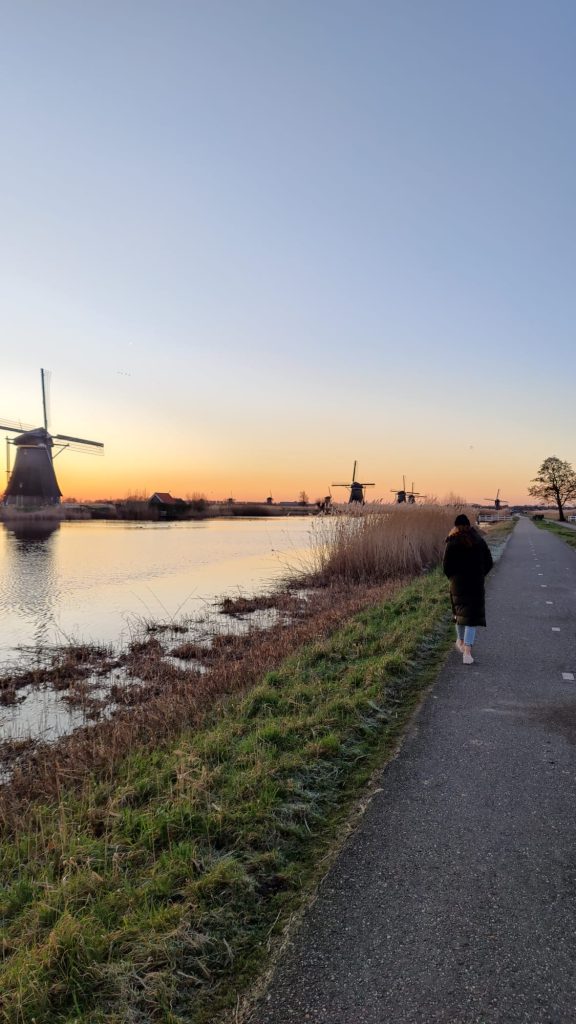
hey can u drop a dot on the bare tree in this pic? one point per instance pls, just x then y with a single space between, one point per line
555 481
454 499
302 498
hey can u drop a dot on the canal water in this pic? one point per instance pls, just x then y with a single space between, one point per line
99 581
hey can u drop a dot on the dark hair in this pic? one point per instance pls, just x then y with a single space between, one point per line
462 520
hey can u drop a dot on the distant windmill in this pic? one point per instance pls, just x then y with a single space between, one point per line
356 488
403 495
498 501
32 482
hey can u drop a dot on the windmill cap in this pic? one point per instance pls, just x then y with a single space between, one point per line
33 437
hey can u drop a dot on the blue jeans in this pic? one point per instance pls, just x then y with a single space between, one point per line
467 634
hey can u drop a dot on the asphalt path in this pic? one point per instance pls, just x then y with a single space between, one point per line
455 899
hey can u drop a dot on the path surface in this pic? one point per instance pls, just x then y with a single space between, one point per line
455 901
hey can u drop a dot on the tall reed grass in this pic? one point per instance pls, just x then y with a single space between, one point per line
382 543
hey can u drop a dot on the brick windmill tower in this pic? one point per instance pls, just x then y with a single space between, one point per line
32 484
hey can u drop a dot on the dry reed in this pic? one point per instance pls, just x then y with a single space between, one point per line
384 543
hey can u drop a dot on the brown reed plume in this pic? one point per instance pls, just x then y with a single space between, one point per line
385 542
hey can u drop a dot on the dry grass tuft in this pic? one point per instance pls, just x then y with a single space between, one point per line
238 606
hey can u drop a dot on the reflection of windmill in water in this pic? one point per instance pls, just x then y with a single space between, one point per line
356 488
498 501
403 496
32 484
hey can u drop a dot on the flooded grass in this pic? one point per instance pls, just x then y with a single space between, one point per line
239 606
59 669
166 627
96 702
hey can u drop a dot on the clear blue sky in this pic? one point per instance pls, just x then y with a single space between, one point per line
257 240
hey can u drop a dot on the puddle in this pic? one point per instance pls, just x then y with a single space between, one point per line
41 713
560 718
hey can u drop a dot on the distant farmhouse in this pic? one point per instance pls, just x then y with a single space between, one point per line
166 506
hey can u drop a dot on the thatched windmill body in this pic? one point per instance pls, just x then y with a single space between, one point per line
32 482
356 488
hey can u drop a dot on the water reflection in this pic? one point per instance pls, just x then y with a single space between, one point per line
30 583
35 530
41 713
96 581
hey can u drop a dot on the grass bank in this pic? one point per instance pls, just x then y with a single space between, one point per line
153 895
561 531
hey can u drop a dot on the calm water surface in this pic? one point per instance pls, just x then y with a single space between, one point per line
96 581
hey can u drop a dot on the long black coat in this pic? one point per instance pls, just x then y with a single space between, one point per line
467 560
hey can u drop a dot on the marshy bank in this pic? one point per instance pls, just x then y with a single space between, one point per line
150 861
90 587
54 689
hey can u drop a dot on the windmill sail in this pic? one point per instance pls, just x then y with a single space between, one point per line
77 440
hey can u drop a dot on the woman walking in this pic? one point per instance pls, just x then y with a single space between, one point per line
467 561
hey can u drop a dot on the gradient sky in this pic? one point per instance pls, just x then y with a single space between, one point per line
255 240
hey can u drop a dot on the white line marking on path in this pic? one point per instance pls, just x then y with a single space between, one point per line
569 676
544 585
549 602
555 629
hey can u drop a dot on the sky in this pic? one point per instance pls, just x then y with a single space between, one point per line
255 241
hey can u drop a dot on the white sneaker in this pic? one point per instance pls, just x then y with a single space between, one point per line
468 659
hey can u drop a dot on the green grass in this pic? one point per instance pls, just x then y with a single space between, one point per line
496 532
561 531
155 897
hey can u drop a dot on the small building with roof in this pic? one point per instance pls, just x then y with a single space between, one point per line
166 506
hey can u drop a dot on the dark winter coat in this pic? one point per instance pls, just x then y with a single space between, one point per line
467 560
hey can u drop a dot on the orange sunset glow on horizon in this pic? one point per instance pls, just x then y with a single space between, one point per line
157 438
279 268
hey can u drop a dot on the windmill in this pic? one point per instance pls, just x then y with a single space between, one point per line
356 488
32 482
498 501
403 496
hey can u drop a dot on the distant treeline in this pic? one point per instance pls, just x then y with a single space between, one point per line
142 510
